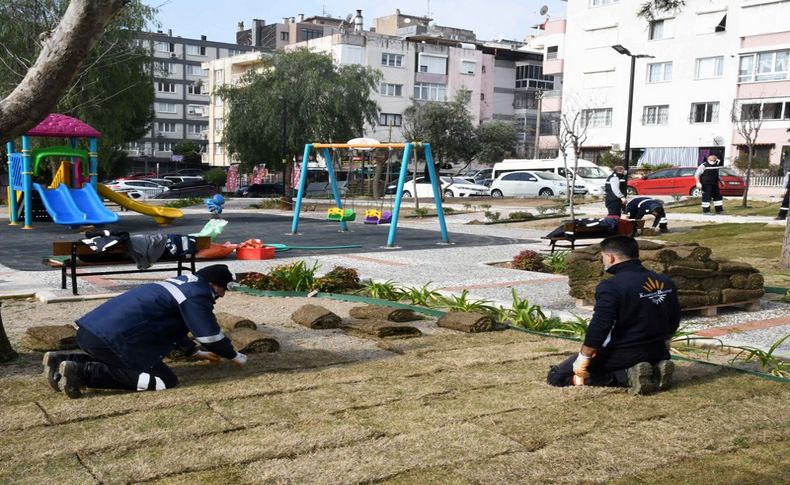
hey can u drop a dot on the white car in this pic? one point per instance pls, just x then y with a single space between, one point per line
531 184
451 187
147 188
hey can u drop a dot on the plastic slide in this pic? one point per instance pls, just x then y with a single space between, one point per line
162 215
75 207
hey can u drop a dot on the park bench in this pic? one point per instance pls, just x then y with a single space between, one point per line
575 232
66 256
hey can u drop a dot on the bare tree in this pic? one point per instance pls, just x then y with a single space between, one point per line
572 135
748 119
62 53
650 9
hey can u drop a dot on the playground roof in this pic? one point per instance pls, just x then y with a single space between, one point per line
61 125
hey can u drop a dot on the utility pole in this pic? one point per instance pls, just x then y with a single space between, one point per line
285 199
539 98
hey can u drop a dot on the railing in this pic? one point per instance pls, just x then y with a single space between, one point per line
554 93
765 181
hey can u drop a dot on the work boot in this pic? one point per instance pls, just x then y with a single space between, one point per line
72 380
664 370
663 230
640 379
51 363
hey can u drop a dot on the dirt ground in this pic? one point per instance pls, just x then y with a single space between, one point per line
442 408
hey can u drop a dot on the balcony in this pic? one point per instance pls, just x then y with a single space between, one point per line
553 66
551 104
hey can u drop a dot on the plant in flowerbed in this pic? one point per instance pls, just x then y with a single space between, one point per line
298 276
529 260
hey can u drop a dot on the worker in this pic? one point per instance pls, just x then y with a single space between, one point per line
785 198
639 207
615 191
707 177
627 341
126 338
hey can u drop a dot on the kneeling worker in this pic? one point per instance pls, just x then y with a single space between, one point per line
627 342
126 338
639 207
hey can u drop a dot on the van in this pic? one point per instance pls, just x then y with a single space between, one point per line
588 174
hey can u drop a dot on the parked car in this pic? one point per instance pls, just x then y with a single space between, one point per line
260 190
680 181
137 175
531 184
160 181
478 176
177 179
451 187
189 189
145 187
588 174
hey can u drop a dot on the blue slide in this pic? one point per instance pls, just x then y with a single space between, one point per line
75 207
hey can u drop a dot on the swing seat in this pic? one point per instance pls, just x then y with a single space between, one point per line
386 217
334 214
348 215
372 216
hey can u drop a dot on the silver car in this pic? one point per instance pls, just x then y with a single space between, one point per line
530 184
138 189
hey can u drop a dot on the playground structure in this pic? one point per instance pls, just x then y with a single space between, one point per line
338 213
74 197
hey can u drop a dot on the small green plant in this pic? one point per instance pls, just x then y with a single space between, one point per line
421 212
420 295
542 210
338 280
387 290
178 203
560 210
528 260
467 206
768 361
448 210
492 216
485 206
462 303
786 298
557 262
525 315
576 328
519 216
266 204
676 197
295 276
258 281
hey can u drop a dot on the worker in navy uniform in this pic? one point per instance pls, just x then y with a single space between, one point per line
126 338
639 207
615 191
627 342
785 198
707 176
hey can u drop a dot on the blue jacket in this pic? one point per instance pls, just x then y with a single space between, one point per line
638 207
145 324
635 308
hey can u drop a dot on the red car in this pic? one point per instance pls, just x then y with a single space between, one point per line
680 180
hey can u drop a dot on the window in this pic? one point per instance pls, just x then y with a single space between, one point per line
308 34
765 111
765 66
196 70
432 64
164 146
165 68
166 127
234 52
196 109
164 47
722 26
709 67
195 89
787 111
656 30
219 149
531 76
195 128
468 67
705 112
164 87
600 3
219 125
598 79
598 118
655 115
430 92
551 52
219 101
388 89
284 36
659 72
219 76
390 119
196 50
391 60
167 108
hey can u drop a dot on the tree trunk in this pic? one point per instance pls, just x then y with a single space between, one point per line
62 53
748 178
784 259
379 167
7 353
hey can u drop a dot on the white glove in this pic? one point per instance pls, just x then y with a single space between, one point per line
699 185
580 366
209 356
239 360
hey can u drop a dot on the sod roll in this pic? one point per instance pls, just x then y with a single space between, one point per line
228 321
734 295
469 322
315 316
380 329
585 270
665 256
582 256
698 253
51 337
692 298
718 282
688 272
685 283
646 245
249 341
378 312
739 280
731 267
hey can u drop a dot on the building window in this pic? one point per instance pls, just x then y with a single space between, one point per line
167 108
705 112
164 68
219 76
432 64
219 125
390 119
196 70
468 67
235 52
388 89
659 72
219 149
391 60
765 111
765 66
600 3
219 101
164 47
196 110
709 67
531 76
598 118
284 36
309 34
722 26
656 30
164 146
195 89
551 52
196 50
655 115
195 128
164 87
166 127
430 92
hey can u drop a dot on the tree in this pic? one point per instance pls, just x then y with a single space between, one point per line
216 176
7 352
649 10
496 141
189 150
571 135
748 120
323 101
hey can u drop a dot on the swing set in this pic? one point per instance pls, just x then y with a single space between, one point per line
372 216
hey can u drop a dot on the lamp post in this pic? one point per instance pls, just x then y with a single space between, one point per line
285 198
539 98
622 50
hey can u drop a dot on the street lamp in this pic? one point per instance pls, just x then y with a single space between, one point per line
285 199
622 50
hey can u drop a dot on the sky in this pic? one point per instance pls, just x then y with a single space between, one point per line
217 19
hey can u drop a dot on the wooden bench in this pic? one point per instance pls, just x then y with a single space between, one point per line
574 232
114 256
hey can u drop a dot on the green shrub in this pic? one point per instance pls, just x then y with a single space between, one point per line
216 176
338 280
178 203
295 276
419 295
421 212
492 216
383 291
657 167
557 262
270 203
485 206
463 304
611 159
529 260
520 216
448 210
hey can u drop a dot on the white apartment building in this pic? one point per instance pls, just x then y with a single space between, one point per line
709 55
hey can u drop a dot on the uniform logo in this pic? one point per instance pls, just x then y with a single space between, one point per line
655 291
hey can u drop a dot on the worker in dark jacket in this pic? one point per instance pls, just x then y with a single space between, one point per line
639 207
615 191
627 342
785 198
126 338
707 176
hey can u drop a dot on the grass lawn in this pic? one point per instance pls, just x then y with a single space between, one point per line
755 243
457 408
732 206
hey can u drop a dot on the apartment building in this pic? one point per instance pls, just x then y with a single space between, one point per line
706 58
291 30
181 84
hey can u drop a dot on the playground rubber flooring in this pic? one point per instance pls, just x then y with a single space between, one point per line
24 249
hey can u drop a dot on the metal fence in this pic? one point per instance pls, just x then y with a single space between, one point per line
765 181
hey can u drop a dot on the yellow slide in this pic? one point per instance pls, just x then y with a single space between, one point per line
162 215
